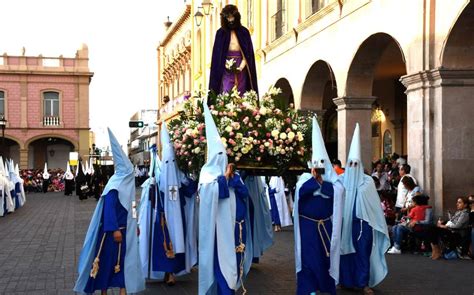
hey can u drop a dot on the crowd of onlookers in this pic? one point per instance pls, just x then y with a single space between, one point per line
410 217
33 180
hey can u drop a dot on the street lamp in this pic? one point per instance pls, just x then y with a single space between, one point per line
198 17
206 6
3 124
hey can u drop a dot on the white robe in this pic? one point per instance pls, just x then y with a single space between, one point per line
282 204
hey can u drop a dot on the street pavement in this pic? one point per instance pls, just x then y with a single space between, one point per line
41 242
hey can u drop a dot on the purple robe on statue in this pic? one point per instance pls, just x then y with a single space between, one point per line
220 78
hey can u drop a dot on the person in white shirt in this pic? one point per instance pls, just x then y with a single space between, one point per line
382 177
402 191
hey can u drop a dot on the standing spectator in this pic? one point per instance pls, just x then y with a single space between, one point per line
402 192
336 164
382 177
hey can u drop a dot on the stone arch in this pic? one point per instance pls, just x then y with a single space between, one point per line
53 149
363 67
13 138
458 47
10 148
64 137
315 86
286 95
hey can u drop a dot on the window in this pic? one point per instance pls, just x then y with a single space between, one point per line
313 6
51 104
279 20
2 103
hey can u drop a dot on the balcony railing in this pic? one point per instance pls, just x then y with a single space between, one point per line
51 121
278 24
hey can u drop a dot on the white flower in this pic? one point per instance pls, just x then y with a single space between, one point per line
283 136
228 129
275 133
229 63
294 127
267 144
263 111
197 150
291 136
245 150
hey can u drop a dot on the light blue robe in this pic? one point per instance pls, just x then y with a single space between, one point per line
262 229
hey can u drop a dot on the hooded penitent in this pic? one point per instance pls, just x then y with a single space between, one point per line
22 188
361 193
46 175
320 159
169 185
68 174
147 216
216 215
9 189
124 183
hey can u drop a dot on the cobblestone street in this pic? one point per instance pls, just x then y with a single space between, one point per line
40 244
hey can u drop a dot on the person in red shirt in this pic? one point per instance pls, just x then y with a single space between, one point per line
336 164
416 215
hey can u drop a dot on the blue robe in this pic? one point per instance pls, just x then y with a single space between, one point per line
274 207
241 216
160 262
114 217
17 195
355 267
315 244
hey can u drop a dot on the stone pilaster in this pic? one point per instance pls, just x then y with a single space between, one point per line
352 110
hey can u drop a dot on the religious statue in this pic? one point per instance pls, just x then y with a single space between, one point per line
233 60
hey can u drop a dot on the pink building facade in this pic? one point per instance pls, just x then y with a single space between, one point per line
46 104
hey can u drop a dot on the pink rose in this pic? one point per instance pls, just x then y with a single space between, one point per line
268 135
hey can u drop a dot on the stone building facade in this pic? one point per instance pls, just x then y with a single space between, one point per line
45 101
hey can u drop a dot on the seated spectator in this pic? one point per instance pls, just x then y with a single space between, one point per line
471 223
450 231
416 216
412 190
388 207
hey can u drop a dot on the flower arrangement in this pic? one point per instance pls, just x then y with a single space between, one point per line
255 132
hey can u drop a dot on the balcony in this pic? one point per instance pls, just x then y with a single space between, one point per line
51 121
278 24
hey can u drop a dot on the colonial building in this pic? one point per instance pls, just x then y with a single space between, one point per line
403 69
174 65
45 101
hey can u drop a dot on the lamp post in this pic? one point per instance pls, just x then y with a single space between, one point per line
3 125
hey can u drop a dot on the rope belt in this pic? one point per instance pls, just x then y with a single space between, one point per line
95 264
241 249
168 249
321 224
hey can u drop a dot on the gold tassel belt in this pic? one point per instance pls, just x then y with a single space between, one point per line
168 249
241 249
95 264
321 224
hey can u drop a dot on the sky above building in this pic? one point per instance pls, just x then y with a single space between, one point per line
122 37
